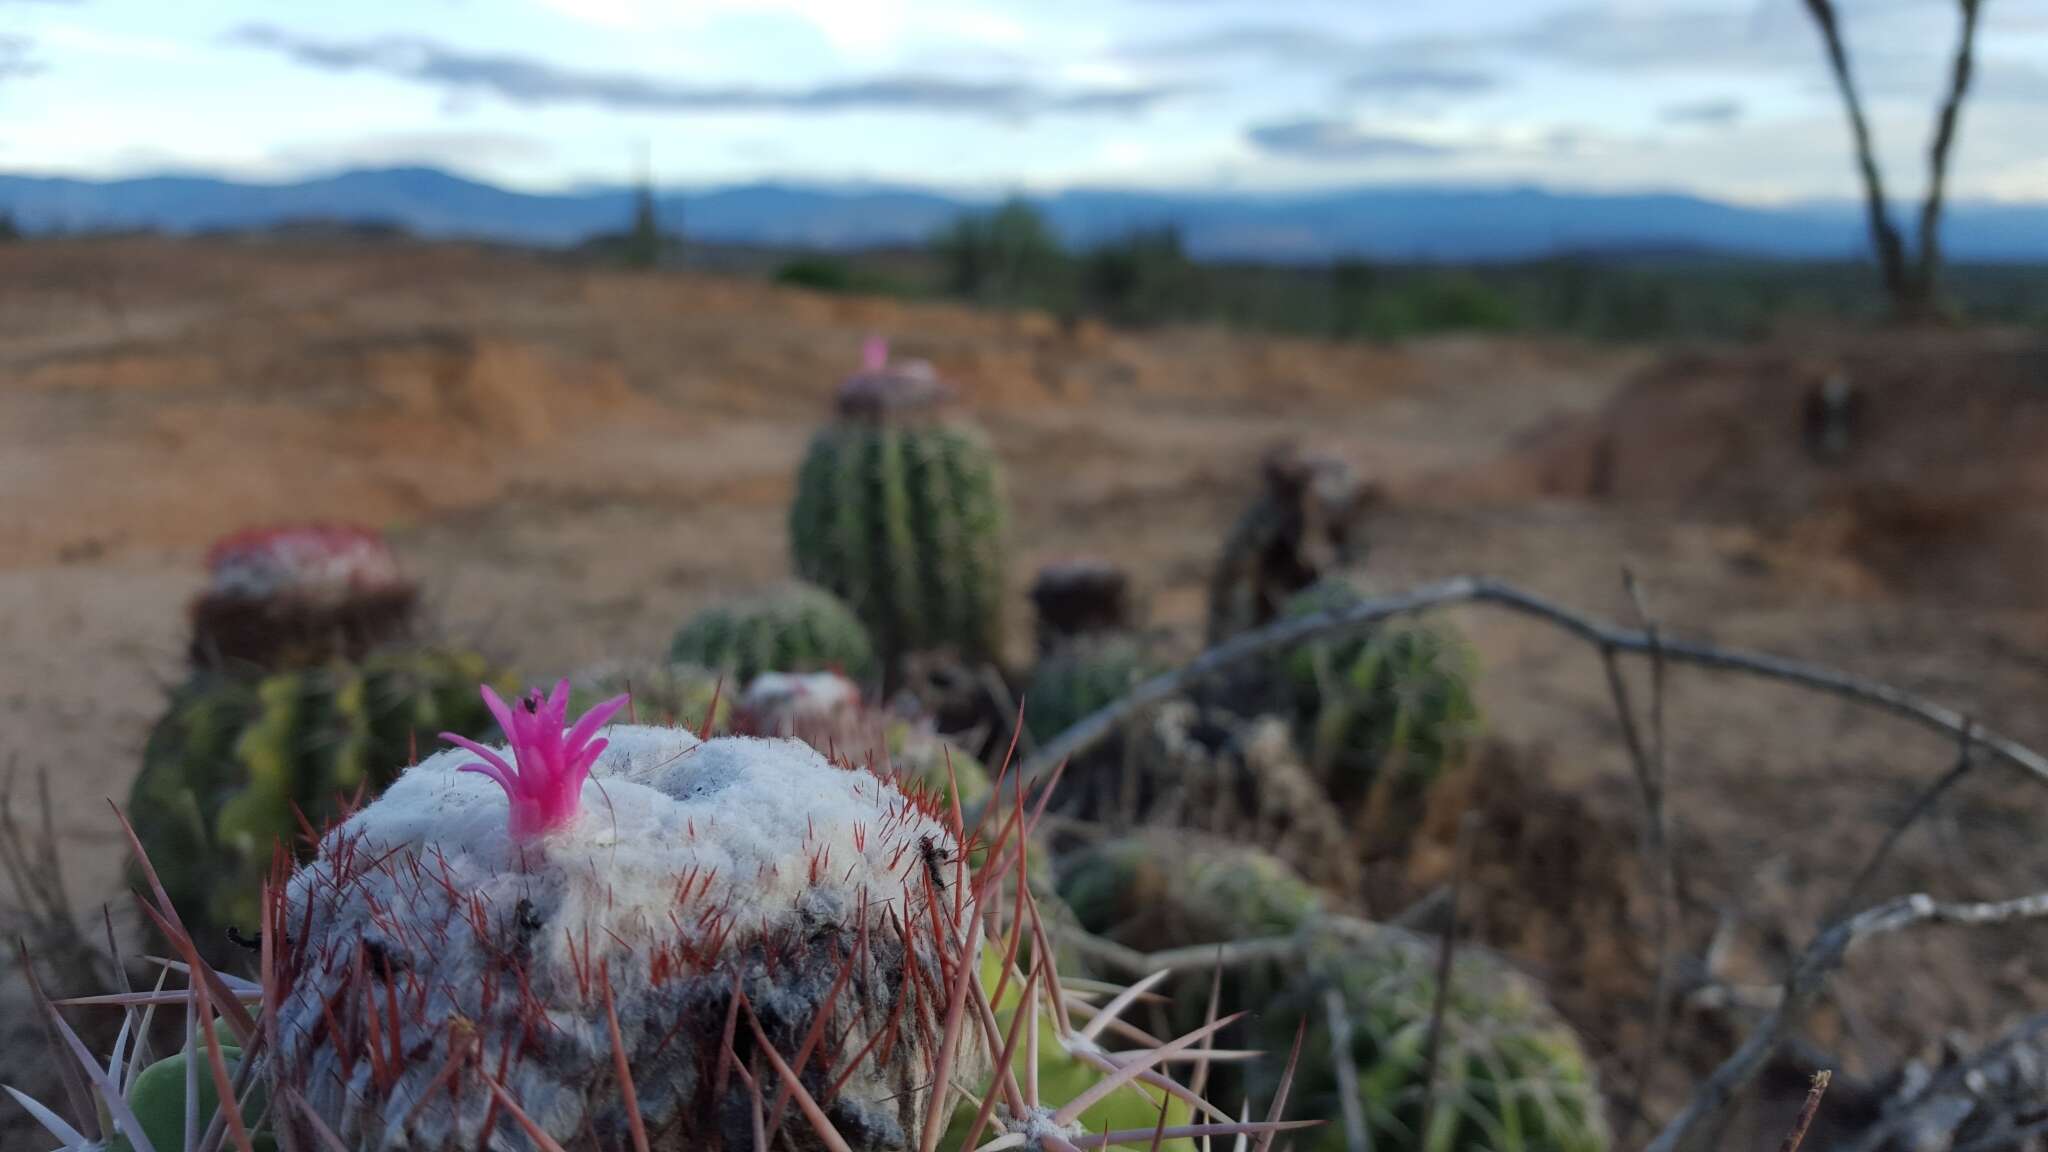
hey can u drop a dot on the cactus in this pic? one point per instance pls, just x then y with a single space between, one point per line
1382 715
296 596
157 1098
795 629
898 512
234 762
1078 677
1510 1074
592 935
671 695
827 712
1301 528
733 891
1204 770
1160 890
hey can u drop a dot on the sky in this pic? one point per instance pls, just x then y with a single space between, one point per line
1723 98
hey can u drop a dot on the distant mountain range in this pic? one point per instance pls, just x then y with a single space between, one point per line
1407 222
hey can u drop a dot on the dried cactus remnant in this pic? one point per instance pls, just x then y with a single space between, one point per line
1303 526
517 924
295 595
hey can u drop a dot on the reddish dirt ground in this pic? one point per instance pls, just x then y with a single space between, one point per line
572 460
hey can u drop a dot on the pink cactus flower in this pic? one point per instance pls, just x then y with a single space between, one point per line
544 781
874 355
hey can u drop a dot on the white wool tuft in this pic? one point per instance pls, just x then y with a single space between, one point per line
740 816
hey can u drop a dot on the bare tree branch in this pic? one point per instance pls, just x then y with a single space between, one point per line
1098 726
1803 985
1921 806
1891 251
1938 153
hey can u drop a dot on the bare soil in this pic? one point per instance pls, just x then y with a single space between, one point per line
572 460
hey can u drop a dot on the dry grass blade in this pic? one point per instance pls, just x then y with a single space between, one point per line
1357 1136
1797 1135
1279 1107
75 1092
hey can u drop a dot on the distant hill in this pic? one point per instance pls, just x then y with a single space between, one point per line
1406 222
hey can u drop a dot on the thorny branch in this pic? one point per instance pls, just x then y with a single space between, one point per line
1803 985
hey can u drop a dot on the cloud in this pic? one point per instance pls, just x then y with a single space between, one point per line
1705 113
1277 43
405 148
1339 140
530 81
1422 79
17 57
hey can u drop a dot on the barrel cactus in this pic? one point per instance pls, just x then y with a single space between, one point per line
1160 890
297 595
898 511
236 764
794 629
1080 676
568 907
1383 715
1511 1075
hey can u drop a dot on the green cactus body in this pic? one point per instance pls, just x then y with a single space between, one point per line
1080 676
1511 1075
1382 715
898 511
1162 890
795 629
681 694
157 1097
234 762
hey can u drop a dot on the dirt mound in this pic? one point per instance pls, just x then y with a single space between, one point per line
1916 455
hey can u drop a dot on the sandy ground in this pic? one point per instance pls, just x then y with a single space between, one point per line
573 460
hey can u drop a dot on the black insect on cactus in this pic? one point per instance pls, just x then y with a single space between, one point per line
798 628
1303 526
899 512
297 595
237 763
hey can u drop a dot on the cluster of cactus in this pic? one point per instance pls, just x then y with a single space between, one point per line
1382 715
899 513
798 628
1510 1073
298 595
597 935
238 765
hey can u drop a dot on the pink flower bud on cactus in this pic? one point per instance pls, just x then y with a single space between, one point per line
544 781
